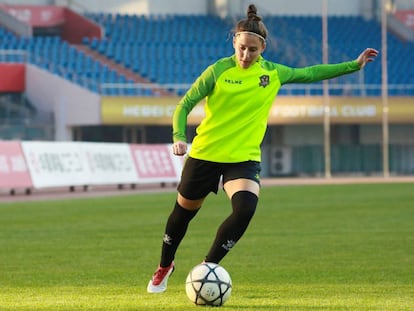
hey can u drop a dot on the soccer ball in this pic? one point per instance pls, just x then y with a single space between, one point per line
208 284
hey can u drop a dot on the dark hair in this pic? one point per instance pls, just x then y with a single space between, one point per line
253 23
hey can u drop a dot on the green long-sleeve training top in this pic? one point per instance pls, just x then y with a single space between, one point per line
238 102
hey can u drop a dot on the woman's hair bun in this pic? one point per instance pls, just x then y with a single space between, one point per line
252 13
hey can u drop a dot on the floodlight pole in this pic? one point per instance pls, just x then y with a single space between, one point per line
384 90
326 105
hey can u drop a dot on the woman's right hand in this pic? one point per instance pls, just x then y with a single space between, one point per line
179 148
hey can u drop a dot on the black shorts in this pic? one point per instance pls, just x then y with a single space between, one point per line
200 177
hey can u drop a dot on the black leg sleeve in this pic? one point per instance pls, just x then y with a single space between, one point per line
231 230
175 230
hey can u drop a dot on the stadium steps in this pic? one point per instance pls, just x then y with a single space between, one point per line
121 69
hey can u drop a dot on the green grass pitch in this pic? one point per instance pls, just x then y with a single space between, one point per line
331 247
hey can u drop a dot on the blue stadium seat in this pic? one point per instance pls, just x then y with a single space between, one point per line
144 45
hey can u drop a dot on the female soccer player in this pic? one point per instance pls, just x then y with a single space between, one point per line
239 92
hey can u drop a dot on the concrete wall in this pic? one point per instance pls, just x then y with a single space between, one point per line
70 104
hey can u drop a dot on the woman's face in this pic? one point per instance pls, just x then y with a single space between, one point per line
248 48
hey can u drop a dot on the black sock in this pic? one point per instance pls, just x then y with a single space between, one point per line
231 230
175 230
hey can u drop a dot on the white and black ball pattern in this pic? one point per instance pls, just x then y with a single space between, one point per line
208 284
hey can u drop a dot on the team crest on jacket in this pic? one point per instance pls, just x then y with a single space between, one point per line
264 81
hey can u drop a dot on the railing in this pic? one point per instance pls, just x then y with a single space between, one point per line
13 56
150 89
312 89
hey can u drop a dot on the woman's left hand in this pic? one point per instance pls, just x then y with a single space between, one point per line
367 56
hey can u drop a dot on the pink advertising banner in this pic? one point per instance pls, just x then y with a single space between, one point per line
155 163
14 172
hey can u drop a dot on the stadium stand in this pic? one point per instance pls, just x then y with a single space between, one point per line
173 56
154 55
298 43
171 51
165 50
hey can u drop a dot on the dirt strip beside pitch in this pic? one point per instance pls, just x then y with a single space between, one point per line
114 190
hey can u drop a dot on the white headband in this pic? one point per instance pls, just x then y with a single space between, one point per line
251 33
